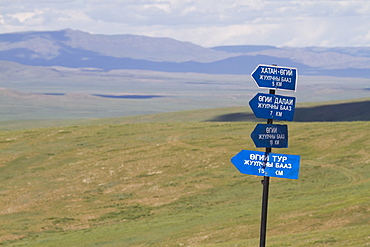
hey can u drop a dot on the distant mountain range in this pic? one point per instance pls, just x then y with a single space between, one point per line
76 49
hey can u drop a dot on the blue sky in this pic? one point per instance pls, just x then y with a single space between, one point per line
203 22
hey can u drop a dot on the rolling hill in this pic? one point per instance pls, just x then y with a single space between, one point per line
76 49
70 74
171 183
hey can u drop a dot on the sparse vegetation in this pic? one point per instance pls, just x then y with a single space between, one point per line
172 184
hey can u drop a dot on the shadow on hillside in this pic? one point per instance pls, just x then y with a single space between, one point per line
357 111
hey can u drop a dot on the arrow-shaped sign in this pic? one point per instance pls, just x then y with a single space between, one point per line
270 136
267 164
275 77
271 106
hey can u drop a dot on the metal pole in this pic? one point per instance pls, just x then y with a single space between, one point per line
266 184
265 195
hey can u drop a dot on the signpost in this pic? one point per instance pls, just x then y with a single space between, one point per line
270 136
267 164
275 77
271 106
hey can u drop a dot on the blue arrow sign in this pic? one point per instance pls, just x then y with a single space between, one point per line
275 77
271 106
267 164
270 136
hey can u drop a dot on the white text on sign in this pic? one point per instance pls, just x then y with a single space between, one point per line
263 161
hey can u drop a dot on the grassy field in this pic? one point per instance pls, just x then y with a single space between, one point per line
146 182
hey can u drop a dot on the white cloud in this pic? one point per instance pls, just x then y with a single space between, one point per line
206 22
22 17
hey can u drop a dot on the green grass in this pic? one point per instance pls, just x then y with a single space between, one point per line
116 183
